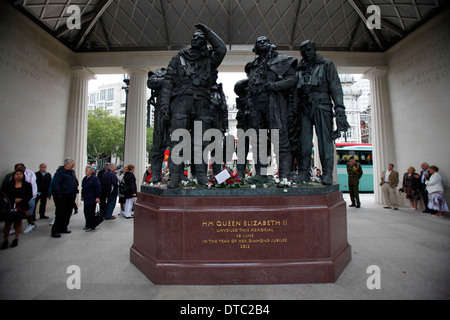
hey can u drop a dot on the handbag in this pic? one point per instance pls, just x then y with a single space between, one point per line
123 187
10 214
5 207
98 216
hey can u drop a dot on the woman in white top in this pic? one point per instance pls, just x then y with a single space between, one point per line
435 188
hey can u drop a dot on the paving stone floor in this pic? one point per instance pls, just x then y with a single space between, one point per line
412 250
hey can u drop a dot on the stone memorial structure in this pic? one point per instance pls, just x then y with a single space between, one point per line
276 232
240 236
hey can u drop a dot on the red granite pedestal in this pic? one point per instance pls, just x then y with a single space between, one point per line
219 237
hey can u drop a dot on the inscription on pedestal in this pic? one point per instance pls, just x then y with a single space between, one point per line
245 234
241 239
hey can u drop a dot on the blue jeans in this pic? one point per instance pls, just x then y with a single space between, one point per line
31 205
111 200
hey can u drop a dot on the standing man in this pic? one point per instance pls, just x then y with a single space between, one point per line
389 181
103 193
43 179
424 176
148 175
319 92
110 185
355 172
64 190
186 94
272 77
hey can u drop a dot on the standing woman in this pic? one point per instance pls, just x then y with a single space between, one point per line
130 191
435 188
19 193
90 194
121 196
411 185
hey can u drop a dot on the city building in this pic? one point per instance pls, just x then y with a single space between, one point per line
108 92
356 99
110 97
366 127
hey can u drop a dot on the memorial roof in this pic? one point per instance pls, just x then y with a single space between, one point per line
149 25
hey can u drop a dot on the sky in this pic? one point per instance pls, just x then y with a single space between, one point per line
228 79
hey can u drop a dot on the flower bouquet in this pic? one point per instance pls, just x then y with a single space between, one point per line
234 181
189 184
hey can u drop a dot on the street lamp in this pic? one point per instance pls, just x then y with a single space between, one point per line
126 80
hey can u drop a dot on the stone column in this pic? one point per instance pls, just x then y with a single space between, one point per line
76 132
136 128
382 128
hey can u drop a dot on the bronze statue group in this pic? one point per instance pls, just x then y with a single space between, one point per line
280 93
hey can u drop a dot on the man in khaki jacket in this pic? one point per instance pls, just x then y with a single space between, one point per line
389 181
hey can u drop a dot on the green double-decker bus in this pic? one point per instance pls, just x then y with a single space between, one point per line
363 155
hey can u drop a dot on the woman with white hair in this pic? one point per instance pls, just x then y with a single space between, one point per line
90 195
436 197
411 186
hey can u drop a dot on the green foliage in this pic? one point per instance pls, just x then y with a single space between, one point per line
149 140
105 135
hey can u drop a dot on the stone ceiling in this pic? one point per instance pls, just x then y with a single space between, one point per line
150 25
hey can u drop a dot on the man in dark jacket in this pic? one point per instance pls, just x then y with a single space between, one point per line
43 179
110 185
319 89
272 75
64 190
103 192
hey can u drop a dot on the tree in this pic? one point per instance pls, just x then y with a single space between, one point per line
105 135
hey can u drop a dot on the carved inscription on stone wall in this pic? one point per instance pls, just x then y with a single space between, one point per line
427 65
28 62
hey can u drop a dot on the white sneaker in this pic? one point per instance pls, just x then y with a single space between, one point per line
29 228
